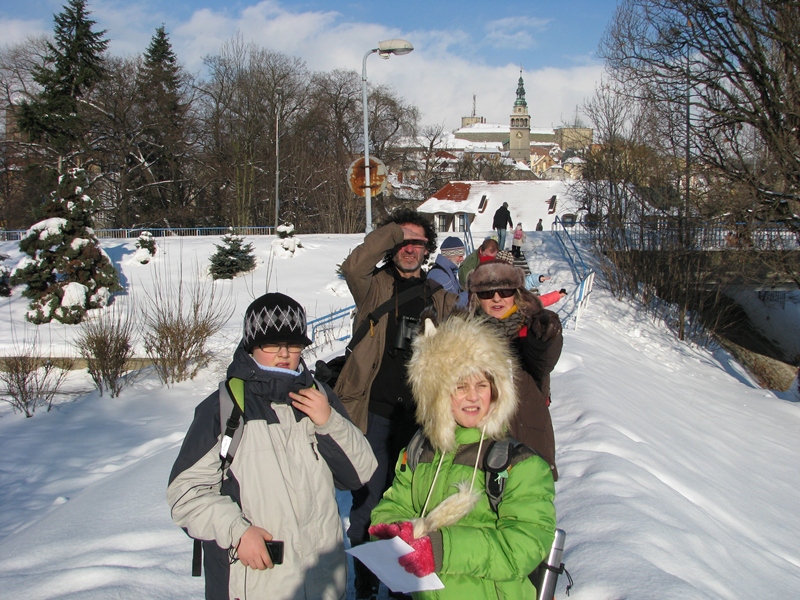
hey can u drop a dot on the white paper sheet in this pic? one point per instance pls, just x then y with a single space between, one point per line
381 558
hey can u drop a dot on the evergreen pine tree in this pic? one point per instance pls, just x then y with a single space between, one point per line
160 83
232 257
74 64
66 272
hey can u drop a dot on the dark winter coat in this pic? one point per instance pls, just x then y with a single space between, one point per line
281 479
502 217
538 345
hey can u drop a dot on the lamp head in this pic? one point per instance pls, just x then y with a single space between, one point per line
396 46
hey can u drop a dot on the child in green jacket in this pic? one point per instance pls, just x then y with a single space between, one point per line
462 377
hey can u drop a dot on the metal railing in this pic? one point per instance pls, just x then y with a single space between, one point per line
16 235
324 329
584 275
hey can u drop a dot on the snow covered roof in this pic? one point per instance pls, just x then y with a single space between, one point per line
483 128
528 201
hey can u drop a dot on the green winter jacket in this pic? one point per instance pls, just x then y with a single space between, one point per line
485 554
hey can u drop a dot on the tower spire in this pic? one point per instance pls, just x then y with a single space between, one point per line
520 101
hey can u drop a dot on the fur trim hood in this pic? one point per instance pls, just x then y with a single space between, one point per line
460 348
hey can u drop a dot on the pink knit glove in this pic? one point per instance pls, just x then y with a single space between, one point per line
385 531
420 561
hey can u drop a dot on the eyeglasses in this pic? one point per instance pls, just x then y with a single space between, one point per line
489 294
275 348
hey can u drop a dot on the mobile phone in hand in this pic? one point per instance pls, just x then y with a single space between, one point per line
275 549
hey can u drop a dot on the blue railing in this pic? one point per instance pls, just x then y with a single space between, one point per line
16 235
584 275
325 324
573 253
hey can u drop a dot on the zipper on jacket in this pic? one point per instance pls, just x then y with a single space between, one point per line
314 451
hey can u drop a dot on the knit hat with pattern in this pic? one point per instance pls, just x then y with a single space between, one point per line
452 246
274 318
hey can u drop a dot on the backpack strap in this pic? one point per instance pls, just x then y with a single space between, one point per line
231 411
414 450
499 459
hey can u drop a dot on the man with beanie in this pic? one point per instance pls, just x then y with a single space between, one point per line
445 268
373 384
501 220
278 486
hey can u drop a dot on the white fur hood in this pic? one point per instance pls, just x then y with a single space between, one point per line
460 348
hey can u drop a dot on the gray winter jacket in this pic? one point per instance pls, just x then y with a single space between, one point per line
282 478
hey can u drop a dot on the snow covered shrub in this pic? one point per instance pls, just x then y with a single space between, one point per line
145 248
106 342
29 380
285 231
65 270
232 257
5 281
179 320
287 240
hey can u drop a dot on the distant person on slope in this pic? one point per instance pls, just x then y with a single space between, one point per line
539 226
518 239
502 219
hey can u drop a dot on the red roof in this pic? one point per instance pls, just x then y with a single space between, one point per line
457 192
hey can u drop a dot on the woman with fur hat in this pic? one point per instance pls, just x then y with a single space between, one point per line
462 377
497 294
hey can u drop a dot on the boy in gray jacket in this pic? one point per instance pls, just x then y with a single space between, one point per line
297 445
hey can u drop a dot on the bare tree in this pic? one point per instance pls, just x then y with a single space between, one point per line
728 69
248 87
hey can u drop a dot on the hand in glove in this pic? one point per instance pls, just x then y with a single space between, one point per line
385 531
419 562
543 327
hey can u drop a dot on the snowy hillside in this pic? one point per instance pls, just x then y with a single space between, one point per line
678 474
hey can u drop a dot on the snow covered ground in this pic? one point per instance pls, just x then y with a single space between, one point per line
679 476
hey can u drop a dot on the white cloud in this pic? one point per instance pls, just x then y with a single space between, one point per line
440 76
15 31
514 32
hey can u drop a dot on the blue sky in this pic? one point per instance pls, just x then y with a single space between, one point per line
466 48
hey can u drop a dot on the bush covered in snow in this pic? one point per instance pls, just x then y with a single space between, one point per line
287 240
145 247
232 257
65 270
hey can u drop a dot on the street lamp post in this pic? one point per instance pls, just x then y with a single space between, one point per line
385 49
278 94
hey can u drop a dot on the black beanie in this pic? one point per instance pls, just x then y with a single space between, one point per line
272 319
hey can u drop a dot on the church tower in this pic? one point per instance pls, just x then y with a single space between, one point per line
519 144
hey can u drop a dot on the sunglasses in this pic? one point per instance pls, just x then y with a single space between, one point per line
489 294
418 243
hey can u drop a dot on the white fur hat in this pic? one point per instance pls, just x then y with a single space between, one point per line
460 348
